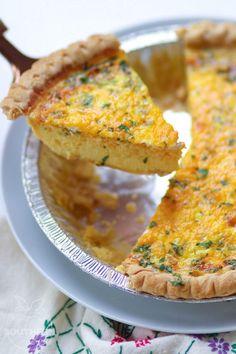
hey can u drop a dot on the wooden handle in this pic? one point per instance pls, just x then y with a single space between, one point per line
19 62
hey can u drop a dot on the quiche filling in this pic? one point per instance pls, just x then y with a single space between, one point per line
193 231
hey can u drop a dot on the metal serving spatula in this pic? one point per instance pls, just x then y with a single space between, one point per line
19 62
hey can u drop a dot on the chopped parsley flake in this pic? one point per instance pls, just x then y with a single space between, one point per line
179 184
178 281
224 183
231 262
195 189
106 105
142 248
177 249
163 267
104 159
124 127
145 263
226 204
87 99
231 142
123 65
145 160
152 224
84 79
57 114
202 172
133 123
205 244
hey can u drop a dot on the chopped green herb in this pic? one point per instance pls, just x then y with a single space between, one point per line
104 159
87 99
218 120
204 158
106 105
226 204
163 267
195 262
133 123
177 249
202 172
142 248
224 183
84 79
215 190
145 160
231 262
205 244
145 263
196 189
57 114
123 65
124 127
176 183
161 260
152 224
178 280
231 141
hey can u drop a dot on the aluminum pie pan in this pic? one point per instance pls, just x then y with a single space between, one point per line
61 238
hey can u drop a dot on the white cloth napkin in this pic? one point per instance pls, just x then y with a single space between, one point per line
36 318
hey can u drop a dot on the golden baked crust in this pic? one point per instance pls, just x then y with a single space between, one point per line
203 287
209 34
22 94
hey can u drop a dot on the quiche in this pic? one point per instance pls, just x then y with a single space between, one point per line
87 102
189 248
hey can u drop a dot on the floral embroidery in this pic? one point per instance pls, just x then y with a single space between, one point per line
142 342
219 345
139 338
117 339
36 343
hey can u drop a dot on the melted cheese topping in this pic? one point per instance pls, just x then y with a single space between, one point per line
107 100
194 229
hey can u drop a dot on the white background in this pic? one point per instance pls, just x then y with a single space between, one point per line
38 27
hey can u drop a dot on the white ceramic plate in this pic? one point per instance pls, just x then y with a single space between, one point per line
109 301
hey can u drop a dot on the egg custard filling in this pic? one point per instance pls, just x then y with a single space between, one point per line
98 110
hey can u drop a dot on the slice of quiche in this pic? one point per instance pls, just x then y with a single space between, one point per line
87 102
189 247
